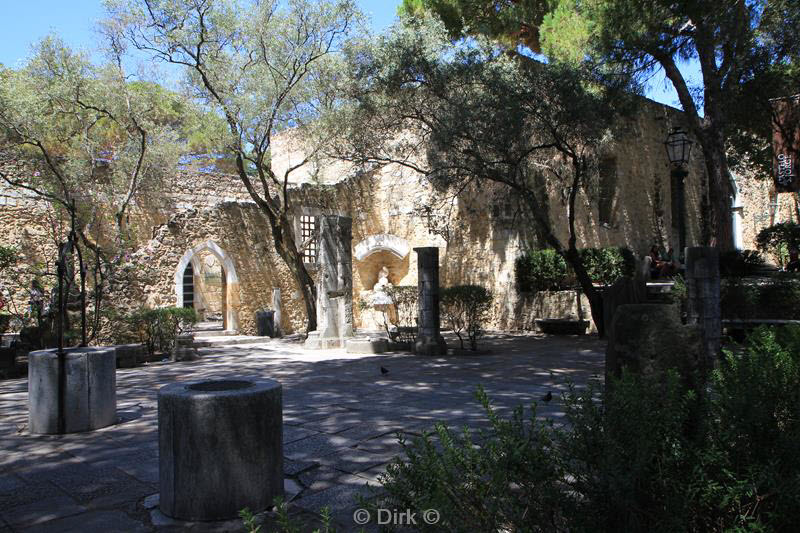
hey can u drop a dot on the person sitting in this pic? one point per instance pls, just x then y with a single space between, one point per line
669 266
794 260
655 262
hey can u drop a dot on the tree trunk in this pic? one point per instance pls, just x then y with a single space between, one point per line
594 296
570 255
284 245
719 189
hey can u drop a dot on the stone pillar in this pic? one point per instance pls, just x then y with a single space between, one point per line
334 284
429 339
90 399
702 284
220 447
276 305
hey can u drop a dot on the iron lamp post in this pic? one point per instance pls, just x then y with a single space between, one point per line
679 147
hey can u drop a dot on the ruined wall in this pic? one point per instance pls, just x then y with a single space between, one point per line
480 234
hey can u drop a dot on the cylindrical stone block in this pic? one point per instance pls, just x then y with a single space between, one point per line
90 393
220 447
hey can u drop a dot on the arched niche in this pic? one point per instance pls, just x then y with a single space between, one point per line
231 286
393 244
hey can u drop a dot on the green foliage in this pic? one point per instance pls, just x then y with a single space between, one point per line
8 257
249 521
767 299
509 482
465 308
513 23
540 270
607 265
158 328
265 71
750 464
546 270
403 318
740 263
646 454
779 238
289 525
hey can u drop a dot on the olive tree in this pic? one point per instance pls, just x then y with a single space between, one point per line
472 113
267 68
85 139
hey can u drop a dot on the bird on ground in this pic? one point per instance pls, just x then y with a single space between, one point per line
547 397
384 371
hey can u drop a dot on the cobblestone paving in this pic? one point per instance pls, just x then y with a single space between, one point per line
341 417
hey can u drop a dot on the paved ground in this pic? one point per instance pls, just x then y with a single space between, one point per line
340 420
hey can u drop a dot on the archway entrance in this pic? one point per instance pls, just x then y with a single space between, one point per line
206 280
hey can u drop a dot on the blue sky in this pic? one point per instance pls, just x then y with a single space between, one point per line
24 22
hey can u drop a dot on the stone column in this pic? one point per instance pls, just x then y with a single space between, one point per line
702 284
334 284
276 305
429 338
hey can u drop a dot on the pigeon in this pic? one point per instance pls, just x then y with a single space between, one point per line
384 371
547 397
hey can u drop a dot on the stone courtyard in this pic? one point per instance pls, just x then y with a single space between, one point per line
341 416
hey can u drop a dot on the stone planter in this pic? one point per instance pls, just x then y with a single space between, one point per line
130 355
90 394
220 447
562 326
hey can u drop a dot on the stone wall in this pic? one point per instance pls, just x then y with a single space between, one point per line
480 234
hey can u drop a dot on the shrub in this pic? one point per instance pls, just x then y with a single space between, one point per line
740 263
607 265
636 457
404 319
466 308
9 256
158 328
541 270
778 239
774 299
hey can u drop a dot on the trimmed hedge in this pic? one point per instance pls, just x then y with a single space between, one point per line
158 328
546 270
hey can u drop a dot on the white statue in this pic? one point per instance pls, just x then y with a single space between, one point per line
379 296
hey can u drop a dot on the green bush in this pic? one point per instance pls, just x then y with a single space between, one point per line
774 299
740 263
158 328
404 318
541 270
646 454
546 270
607 265
465 308
778 239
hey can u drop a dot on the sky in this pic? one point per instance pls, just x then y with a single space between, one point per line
23 22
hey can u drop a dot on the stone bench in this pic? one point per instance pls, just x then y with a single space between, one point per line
130 355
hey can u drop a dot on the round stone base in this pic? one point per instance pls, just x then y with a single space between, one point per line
90 394
220 447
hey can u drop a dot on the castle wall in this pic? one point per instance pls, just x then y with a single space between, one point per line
480 233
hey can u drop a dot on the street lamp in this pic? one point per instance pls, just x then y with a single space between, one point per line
679 146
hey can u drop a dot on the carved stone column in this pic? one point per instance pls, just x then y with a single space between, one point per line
429 339
334 284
